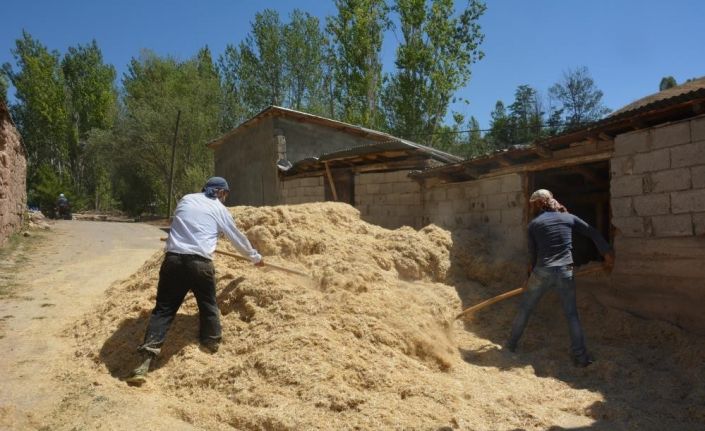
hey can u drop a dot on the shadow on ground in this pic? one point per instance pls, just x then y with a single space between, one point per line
119 352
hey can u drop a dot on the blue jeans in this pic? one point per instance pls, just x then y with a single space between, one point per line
559 278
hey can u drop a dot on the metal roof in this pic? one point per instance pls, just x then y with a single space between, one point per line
376 153
373 135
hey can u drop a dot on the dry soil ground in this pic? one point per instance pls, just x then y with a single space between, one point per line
60 276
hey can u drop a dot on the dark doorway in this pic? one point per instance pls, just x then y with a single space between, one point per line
585 191
344 182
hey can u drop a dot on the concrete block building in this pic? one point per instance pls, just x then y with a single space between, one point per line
638 176
283 156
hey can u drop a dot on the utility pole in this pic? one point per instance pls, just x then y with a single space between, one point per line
173 159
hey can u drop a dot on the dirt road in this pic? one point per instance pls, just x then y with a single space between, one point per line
62 278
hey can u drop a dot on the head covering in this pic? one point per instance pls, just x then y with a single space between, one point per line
213 185
546 202
61 195
540 195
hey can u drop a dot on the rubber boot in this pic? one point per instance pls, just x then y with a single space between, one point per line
139 374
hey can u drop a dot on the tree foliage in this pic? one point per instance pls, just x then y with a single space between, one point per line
156 89
356 34
41 110
3 88
277 64
91 102
579 97
667 82
433 62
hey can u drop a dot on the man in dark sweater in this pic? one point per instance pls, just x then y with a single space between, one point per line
551 267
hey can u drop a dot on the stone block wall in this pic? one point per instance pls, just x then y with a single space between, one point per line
658 181
13 174
658 207
302 190
496 206
389 199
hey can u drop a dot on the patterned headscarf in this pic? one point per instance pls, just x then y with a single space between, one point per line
546 201
213 185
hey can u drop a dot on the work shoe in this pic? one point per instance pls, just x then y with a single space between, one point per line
139 374
583 360
210 346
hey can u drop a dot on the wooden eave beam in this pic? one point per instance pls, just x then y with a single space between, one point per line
543 151
550 164
471 171
698 108
503 161
590 175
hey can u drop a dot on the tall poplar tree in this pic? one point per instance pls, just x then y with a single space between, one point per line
356 33
40 110
304 55
433 62
91 104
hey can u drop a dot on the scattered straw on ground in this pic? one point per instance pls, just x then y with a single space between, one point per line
368 342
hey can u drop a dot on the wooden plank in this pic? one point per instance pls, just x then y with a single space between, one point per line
391 166
331 182
543 151
503 161
549 164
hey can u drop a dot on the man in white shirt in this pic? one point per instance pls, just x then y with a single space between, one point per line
188 265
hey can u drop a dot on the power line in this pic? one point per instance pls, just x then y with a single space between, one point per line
543 126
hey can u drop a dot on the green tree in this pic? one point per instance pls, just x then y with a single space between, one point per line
304 55
579 98
232 105
500 134
3 87
356 33
477 144
433 62
262 61
40 110
526 115
156 88
667 82
279 63
91 104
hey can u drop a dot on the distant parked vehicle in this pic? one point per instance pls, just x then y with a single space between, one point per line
63 208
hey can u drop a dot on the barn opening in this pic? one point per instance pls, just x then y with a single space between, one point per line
339 185
585 191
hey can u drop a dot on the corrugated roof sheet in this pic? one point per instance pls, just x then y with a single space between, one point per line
670 95
311 163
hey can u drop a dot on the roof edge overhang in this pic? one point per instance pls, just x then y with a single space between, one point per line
599 135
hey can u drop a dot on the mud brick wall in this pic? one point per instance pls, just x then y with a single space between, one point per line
13 173
302 190
494 206
658 208
389 199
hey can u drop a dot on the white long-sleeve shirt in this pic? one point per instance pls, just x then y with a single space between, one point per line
197 222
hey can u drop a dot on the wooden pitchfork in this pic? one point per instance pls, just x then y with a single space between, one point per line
271 265
589 269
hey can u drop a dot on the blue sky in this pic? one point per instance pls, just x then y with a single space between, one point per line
628 45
